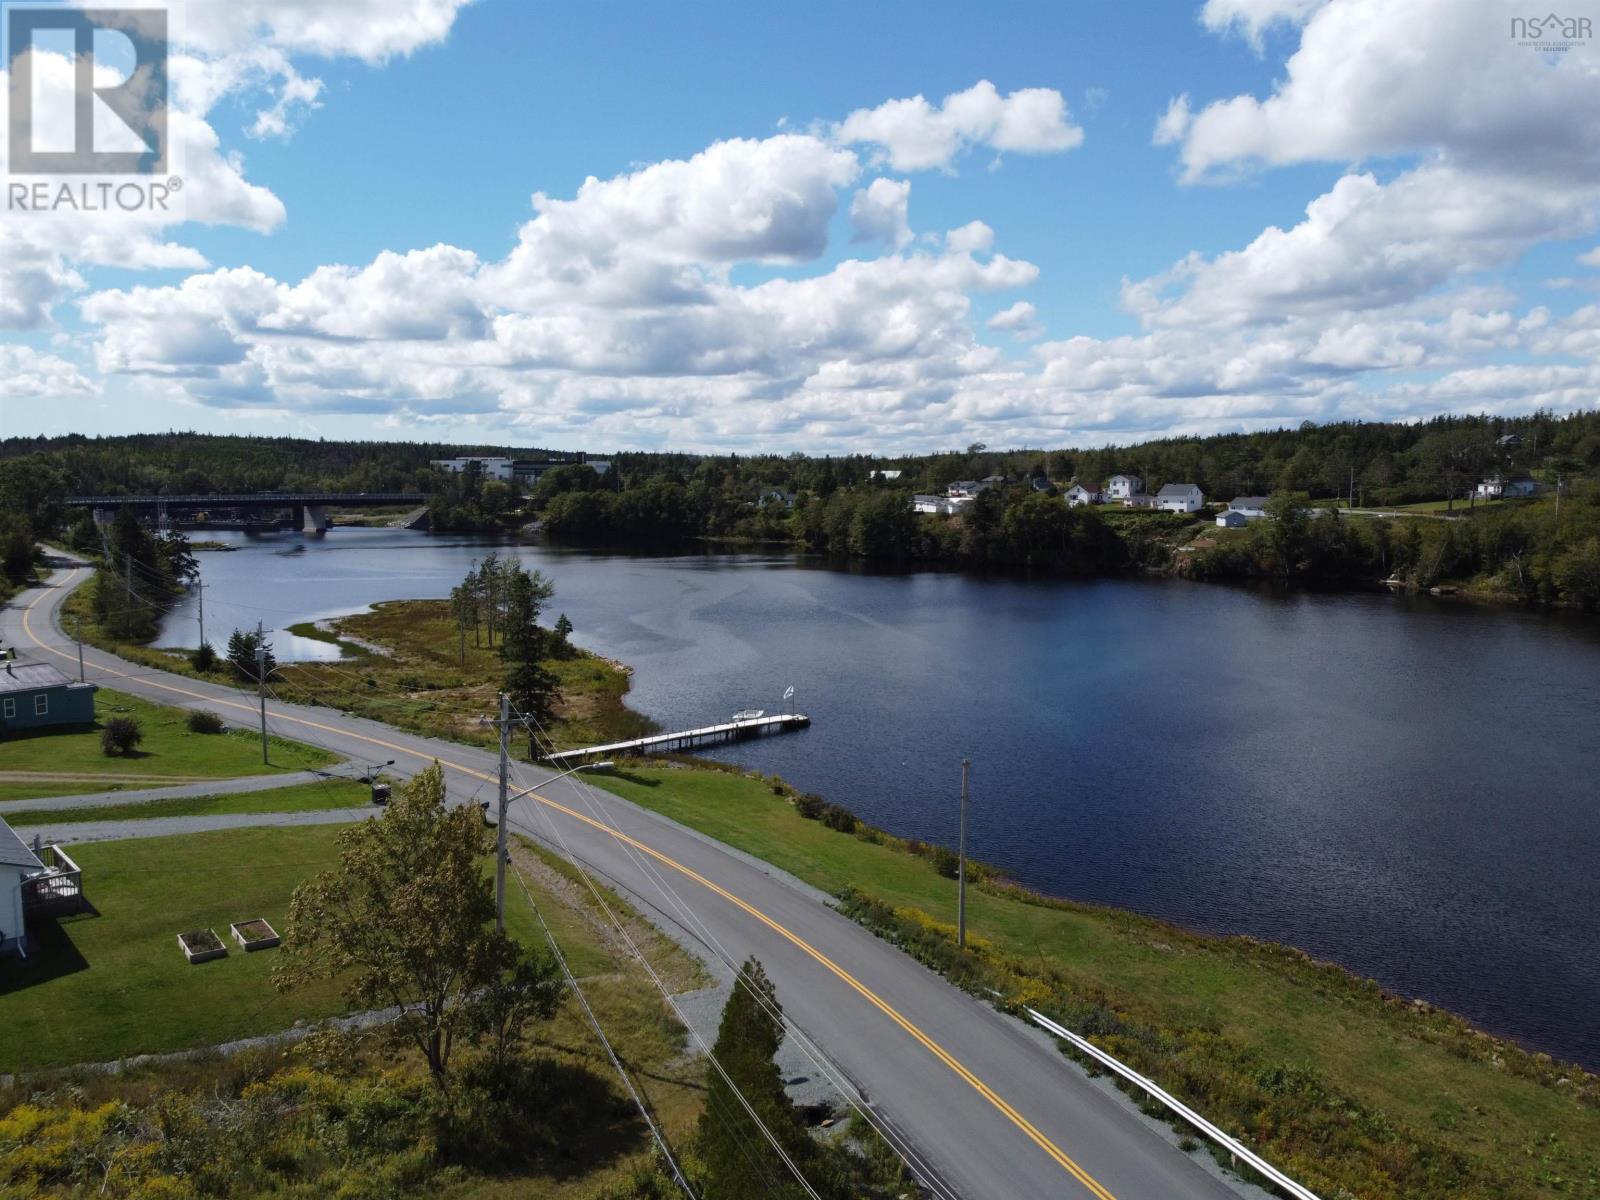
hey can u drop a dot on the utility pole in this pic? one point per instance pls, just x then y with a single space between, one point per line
461 623
77 634
127 578
261 693
961 865
200 589
500 832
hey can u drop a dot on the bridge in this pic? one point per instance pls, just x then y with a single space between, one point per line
308 509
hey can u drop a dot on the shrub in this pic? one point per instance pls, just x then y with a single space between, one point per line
836 816
204 659
809 805
120 736
946 862
202 720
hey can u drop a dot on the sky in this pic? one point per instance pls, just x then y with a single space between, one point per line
882 228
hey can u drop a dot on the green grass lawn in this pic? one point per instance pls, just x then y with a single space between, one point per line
113 983
300 797
1275 1005
169 752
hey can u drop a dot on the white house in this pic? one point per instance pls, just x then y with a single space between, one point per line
1120 487
1232 519
17 863
1180 497
966 488
1086 493
943 506
1251 508
1498 488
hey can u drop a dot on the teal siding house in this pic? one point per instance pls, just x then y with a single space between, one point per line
37 696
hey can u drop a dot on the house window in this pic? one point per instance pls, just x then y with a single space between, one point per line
41 704
10 708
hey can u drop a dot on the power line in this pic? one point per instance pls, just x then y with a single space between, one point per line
605 1042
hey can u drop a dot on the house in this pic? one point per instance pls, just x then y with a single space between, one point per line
775 498
17 865
1121 487
1499 488
887 475
1232 519
943 506
1252 508
1508 441
37 696
1086 493
1137 500
1180 497
967 488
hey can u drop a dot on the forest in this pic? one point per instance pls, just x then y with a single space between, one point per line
859 505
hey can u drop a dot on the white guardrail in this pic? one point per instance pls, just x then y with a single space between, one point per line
1228 1143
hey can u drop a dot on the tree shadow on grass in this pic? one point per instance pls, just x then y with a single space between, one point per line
51 954
554 1119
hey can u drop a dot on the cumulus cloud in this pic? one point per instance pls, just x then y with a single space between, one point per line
1252 18
1021 320
1384 77
1590 258
914 135
28 374
878 212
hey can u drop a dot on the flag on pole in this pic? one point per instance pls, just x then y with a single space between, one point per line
789 695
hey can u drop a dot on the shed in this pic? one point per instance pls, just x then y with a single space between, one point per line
37 696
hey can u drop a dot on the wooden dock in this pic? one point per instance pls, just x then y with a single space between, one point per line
728 731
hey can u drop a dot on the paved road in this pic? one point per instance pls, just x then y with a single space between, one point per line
989 1105
77 832
134 794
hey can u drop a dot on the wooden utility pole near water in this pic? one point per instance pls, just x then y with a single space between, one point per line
961 865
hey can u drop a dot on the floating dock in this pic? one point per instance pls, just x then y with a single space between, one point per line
728 731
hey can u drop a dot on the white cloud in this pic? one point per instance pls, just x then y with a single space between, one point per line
914 135
1590 258
28 374
1389 77
972 238
878 212
1252 18
1021 320
1367 245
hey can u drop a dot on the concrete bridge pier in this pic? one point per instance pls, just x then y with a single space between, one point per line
313 518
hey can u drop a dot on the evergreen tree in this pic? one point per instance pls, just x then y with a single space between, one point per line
523 647
739 1161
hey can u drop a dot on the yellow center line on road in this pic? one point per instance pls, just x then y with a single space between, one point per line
1027 1127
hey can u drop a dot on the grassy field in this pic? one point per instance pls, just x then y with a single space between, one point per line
1469 1108
114 984
169 753
405 666
301 797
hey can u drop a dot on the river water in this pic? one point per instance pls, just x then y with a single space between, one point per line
1410 788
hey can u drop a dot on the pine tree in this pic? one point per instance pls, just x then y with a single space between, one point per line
739 1161
523 647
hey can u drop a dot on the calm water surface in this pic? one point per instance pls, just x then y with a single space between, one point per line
1409 788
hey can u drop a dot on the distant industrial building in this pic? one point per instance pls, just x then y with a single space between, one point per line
525 471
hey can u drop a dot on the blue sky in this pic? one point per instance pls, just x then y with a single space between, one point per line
1142 179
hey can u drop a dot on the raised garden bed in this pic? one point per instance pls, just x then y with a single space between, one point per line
201 945
255 935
